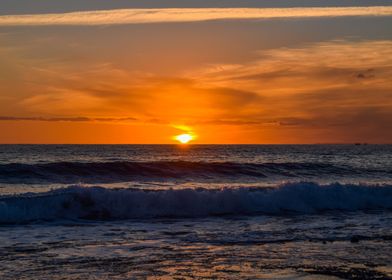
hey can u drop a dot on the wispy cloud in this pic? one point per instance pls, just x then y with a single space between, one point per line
135 16
67 119
334 90
338 86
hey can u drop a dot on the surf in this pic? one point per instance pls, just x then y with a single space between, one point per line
98 203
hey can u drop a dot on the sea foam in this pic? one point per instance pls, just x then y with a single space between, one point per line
97 203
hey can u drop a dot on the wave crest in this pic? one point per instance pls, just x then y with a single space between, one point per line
111 172
97 203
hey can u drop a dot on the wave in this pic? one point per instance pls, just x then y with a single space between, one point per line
97 203
112 172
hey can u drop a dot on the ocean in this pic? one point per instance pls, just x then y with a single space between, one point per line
196 211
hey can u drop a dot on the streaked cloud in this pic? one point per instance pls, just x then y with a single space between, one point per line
322 66
331 91
137 16
67 119
341 88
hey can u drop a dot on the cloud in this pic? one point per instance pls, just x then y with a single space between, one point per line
339 90
260 122
137 16
314 67
68 119
333 90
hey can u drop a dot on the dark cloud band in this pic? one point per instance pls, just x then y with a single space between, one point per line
67 119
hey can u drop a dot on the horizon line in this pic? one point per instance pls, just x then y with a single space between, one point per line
200 144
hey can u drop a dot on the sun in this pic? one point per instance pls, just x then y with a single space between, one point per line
184 138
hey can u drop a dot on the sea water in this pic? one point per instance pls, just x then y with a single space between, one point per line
195 211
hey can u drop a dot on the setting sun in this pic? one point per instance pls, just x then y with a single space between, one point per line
257 127
184 138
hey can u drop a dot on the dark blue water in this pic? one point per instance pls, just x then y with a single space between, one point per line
223 211
76 181
269 164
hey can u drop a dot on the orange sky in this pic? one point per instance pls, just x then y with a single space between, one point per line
227 82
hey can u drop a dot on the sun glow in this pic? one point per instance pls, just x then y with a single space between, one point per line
184 138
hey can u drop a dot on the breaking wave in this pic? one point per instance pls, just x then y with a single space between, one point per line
111 172
97 203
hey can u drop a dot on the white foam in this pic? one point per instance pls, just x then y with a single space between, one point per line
98 203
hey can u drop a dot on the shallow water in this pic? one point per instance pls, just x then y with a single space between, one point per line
333 244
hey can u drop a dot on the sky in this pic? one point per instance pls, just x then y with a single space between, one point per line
225 71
